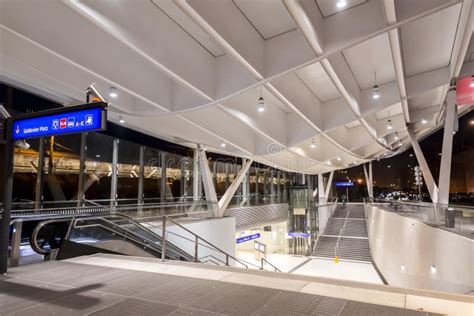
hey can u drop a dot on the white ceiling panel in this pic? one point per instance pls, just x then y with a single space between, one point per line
428 42
269 17
427 99
370 58
330 7
318 81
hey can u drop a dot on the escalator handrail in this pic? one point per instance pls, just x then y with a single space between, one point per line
34 235
138 237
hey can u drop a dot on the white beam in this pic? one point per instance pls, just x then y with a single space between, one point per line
425 169
229 193
447 151
208 185
329 185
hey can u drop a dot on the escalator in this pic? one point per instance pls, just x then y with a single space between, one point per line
109 233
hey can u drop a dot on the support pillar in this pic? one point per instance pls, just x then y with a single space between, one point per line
447 151
321 191
113 183
368 179
229 193
329 186
39 186
196 177
163 180
429 180
208 185
141 174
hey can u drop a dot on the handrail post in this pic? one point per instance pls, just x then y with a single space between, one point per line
16 240
261 263
227 260
163 241
196 246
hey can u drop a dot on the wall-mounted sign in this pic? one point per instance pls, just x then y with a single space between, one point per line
299 234
67 120
299 211
465 91
247 238
345 184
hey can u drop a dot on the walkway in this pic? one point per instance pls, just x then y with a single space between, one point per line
118 285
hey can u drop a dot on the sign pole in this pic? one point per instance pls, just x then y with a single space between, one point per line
7 197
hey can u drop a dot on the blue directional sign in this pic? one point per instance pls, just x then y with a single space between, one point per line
299 234
248 238
65 121
344 184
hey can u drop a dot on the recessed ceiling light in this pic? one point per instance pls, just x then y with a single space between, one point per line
341 4
389 124
472 82
121 120
396 136
312 145
424 121
338 158
223 144
113 92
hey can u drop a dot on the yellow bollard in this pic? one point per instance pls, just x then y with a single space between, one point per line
336 259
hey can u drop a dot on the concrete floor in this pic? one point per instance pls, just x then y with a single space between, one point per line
68 288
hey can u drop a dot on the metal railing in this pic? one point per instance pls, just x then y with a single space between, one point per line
454 218
227 256
263 261
339 238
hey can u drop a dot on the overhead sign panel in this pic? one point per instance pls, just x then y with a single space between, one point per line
247 238
344 184
77 119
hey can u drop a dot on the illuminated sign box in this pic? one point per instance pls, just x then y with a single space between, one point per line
299 234
67 120
344 184
248 238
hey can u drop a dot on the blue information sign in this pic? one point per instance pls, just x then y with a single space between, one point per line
247 238
65 122
299 234
344 184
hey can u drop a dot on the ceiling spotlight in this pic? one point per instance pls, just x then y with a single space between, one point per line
113 92
396 136
341 4
261 105
338 158
121 120
472 82
222 144
424 121
375 92
313 144
389 124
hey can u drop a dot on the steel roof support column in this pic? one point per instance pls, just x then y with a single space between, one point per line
328 186
163 182
447 151
141 174
113 182
321 191
196 177
425 169
229 193
368 180
208 184
40 175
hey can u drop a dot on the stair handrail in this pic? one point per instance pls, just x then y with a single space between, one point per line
196 243
341 232
262 260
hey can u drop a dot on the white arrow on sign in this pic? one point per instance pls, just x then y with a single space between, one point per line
17 129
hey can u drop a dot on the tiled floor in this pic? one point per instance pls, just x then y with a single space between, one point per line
65 288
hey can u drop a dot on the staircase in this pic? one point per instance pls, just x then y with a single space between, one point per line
345 235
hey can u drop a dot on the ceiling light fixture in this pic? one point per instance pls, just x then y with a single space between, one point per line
424 121
341 4
396 136
261 102
472 82
113 92
223 144
375 88
121 120
389 124
312 145
338 158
